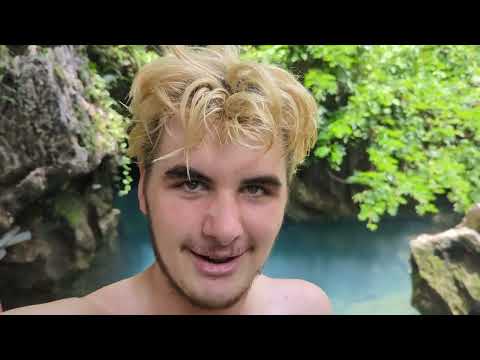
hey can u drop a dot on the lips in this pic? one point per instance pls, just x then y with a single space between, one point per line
215 265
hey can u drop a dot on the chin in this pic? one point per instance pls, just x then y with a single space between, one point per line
218 300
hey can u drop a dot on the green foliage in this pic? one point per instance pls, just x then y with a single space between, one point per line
112 69
414 110
117 65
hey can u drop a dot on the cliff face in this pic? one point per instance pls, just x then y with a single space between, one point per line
316 193
58 156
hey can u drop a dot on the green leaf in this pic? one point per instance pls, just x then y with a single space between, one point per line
414 111
337 154
322 151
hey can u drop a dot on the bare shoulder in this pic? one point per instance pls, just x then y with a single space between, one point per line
305 297
70 306
115 298
297 297
110 299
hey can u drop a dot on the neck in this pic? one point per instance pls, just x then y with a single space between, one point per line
164 299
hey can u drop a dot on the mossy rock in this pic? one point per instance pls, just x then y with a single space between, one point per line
71 207
446 272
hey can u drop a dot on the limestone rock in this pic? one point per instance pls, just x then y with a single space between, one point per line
446 270
472 218
54 147
315 196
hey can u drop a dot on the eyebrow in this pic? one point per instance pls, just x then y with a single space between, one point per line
180 172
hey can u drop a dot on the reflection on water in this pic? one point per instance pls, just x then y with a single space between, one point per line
363 272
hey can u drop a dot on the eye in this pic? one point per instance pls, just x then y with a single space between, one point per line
192 185
255 190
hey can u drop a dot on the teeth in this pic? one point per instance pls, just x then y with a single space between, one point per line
216 260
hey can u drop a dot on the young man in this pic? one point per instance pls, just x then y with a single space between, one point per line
217 140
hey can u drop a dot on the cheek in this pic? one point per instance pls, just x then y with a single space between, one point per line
173 215
263 223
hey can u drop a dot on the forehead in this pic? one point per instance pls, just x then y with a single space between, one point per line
222 160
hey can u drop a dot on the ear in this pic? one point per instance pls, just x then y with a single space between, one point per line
142 191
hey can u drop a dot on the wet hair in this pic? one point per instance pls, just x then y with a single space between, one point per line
211 90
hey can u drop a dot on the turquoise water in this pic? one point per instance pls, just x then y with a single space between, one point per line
362 272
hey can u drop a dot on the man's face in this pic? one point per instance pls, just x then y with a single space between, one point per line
213 234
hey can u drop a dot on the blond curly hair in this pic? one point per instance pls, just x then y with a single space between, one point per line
211 90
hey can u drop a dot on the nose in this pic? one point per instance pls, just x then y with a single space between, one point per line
223 219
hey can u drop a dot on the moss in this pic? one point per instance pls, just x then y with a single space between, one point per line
470 279
71 207
4 58
58 71
4 64
437 274
444 276
83 260
436 264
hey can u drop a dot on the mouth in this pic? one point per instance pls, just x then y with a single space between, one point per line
215 260
215 266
